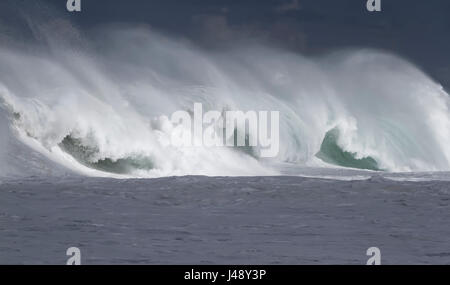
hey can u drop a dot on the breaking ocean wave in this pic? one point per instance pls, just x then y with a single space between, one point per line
104 109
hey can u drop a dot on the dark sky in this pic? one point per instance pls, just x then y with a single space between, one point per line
418 30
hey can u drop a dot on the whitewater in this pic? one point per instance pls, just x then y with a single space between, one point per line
102 108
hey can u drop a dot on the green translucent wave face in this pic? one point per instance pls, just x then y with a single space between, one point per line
331 152
82 154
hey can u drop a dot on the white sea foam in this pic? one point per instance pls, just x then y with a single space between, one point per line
103 111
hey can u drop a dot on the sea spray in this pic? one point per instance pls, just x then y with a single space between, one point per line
116 97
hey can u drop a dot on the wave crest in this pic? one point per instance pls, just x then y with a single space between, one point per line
97 105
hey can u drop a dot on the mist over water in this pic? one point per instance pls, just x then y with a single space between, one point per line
102 107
